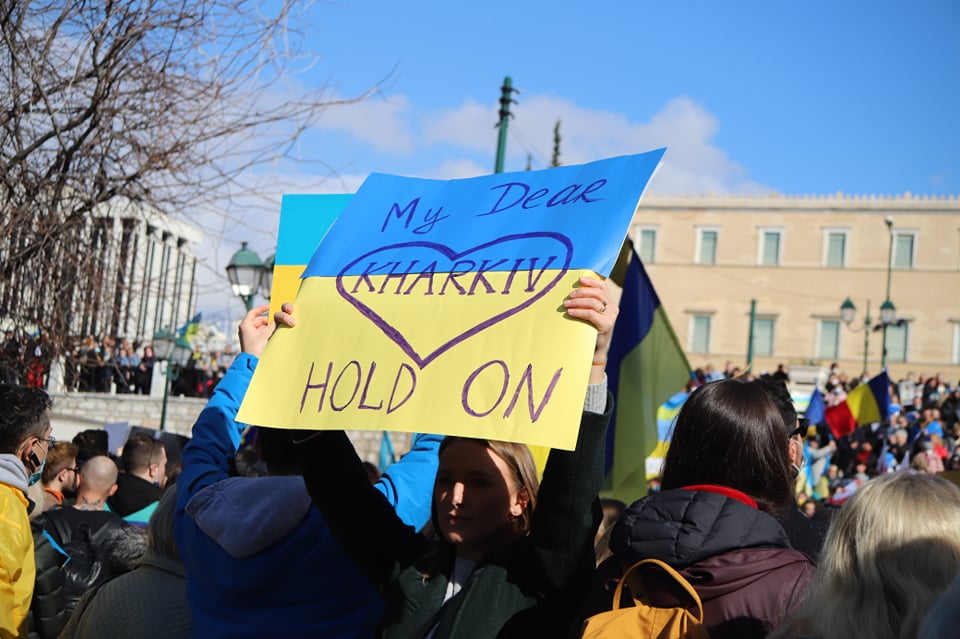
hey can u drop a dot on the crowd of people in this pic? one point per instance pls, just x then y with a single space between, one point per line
259 532
107 365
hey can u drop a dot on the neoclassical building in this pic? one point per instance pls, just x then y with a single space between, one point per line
138 276
152 273
795 260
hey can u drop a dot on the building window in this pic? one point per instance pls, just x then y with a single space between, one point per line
763 333
700 334
956 343
707 246
897 342
770 247
835 249
828 346
904 249
647 245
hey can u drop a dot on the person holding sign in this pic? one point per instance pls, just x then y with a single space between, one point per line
259 558
503 558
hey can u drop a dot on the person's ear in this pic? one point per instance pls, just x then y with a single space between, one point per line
795 450
113 490
520 505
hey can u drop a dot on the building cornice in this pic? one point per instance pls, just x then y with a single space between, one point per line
904 203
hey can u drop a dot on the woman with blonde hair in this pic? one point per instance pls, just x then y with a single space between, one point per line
892 549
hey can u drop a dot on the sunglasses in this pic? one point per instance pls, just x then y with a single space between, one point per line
803 425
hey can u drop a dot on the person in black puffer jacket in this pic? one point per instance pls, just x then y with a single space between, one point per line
726 484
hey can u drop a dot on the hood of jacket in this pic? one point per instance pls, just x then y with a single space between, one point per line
13 472
246 515
683 527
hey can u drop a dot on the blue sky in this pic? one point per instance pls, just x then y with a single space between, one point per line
749 97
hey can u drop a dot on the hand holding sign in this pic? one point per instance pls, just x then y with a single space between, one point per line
592 302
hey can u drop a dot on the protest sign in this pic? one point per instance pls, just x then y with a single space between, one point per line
437 306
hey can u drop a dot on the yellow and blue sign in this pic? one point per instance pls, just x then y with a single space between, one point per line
437 306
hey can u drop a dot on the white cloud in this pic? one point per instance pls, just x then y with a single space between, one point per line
455 169
693 164
382 123
471 126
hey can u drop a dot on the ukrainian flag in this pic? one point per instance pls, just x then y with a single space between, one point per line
304 220
646 370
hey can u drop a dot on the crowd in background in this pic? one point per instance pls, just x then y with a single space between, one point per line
922 434
777 526
107 365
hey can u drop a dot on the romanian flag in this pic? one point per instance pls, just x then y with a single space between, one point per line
865 404
646 367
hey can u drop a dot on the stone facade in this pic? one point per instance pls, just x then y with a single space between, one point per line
799 258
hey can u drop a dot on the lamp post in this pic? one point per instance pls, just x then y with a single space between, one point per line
887 310
176 352
245 272
267 282
847 313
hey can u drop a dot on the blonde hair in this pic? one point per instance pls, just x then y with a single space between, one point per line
890 552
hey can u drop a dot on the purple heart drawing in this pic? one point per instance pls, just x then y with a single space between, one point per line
559 243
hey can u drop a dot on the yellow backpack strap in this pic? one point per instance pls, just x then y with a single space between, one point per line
677 577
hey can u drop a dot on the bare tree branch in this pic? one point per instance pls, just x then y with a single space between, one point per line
167 104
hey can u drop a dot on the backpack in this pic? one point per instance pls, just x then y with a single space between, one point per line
83 567
643 621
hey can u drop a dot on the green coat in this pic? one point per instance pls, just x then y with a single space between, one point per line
531 588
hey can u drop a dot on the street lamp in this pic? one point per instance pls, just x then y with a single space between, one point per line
176 352
847 313
245 272
888 311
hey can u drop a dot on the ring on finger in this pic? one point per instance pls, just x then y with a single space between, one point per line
603 308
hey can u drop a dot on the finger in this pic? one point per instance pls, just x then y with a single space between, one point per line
601 321
587 291
257 310
594 310
594 303
284 319
592 282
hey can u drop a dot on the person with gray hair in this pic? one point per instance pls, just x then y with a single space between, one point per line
150 602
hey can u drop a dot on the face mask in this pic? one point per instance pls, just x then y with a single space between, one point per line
35 477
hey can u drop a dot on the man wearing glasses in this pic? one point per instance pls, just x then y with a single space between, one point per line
59 480
24 442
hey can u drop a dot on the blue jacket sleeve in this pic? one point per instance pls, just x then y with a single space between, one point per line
216 433
408 484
